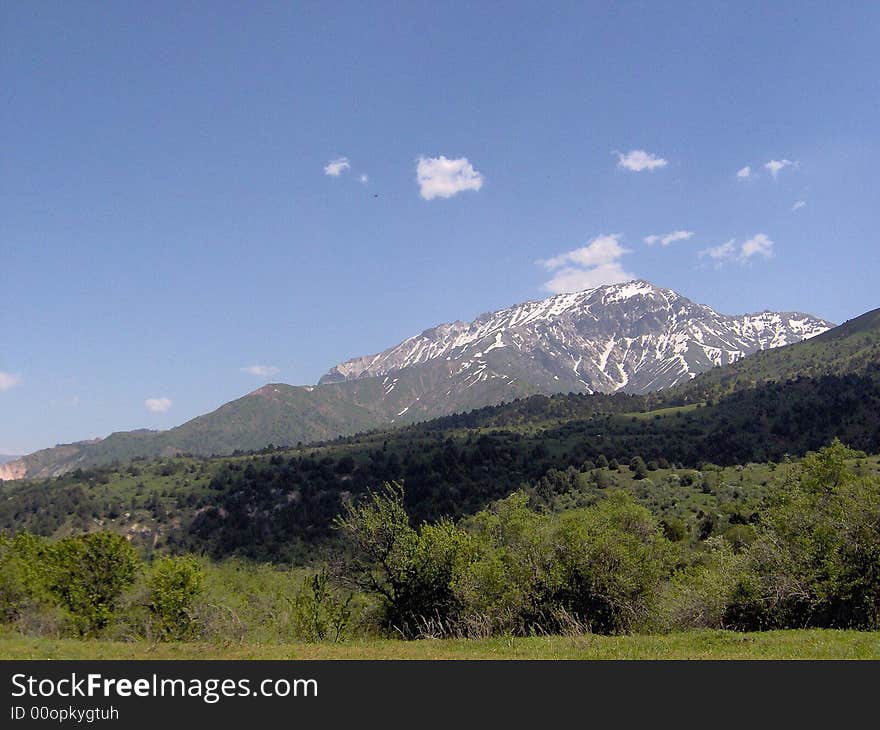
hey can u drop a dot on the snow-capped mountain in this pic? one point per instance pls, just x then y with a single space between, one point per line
633 337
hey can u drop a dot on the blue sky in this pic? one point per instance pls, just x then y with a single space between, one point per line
167 220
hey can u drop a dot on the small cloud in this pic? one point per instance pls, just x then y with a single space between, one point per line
638 160
798 205
261 371
666 239
157 405
439 177
571 280
758 245
336 167
721 253
587 267
744 173
8 381
364 178
776 166
601 250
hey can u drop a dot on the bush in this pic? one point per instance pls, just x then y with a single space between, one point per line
698 595
612 559
25 600
503 588
816 558
321 612
597 568
87 575
174 584
639 468
413 572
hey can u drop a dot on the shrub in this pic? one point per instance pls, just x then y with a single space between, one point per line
639 468
321 611
87 575
24 597
174 585
596 568
612 559
698 595
413 572
816 558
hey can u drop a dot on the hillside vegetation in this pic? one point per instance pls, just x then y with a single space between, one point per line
562 558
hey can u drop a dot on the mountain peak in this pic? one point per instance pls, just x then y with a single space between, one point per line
632 336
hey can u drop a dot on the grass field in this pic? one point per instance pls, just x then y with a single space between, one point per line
808 644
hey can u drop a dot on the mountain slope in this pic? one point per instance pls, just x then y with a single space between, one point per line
851 348
277 414
843 355
623 338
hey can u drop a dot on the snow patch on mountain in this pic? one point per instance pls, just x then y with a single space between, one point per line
632 337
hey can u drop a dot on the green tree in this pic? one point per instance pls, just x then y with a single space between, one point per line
640 469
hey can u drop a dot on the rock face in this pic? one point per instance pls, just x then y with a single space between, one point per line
631 337
16 469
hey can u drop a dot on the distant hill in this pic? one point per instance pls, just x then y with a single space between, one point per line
630 338
8 457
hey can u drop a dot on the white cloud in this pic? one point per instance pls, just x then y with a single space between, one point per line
601 250
720 253
261 371
157 405
776 166
336 167
638 160
744 173
667 238
571 280
364 178
587 267
798 205
8 380
439 177
758 245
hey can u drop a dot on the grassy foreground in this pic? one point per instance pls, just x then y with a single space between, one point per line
806 644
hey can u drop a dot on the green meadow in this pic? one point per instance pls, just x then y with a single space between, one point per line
790 644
